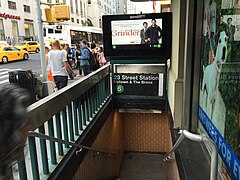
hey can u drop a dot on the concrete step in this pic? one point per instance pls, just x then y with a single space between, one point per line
142 166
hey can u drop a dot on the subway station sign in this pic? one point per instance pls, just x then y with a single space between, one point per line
138 84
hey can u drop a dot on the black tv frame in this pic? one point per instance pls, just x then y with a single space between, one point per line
138 51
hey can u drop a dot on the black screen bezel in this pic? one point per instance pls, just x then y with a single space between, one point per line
140 51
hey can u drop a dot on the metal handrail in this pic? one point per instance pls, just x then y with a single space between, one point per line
39 113
198 138
50 138
66 115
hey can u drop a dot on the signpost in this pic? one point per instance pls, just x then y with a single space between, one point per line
42 49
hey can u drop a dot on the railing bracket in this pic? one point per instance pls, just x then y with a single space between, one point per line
78 151
198 138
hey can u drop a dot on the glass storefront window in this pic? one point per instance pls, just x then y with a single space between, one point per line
29 30
2 34
219 110
14 32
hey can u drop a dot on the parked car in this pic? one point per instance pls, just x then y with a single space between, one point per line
30 46
10 53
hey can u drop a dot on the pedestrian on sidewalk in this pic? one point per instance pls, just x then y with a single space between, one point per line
78 54
102 60
84 58
63 48
50 77
69 58
95 58
59 65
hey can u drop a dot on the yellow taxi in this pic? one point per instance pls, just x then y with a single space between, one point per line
10 53
30 46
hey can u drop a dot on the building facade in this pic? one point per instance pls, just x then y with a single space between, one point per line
131 7
139 7
98 8
109 7
78 11
86 12
17 20
121 6
135 7
95 10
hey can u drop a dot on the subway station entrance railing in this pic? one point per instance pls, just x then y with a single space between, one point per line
63 115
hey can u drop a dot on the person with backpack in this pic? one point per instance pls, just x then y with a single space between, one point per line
69 55
94 58
78 54
85 58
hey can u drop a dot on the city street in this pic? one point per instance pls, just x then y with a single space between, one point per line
33 63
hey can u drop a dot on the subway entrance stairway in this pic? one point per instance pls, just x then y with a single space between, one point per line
91 138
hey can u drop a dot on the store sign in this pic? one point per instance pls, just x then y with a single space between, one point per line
138 84
226 153
5 16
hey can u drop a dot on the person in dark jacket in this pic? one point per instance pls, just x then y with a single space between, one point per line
94 60
153 33
69 58
230 31
143 33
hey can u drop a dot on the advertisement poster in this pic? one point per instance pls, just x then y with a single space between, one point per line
235 23
219 100
127 32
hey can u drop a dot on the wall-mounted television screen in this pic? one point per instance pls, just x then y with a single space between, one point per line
138 35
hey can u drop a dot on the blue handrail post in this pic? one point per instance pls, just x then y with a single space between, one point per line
33 157
70 118
43 148
84 112
75 117
80 113
22 168
65 126
59 133
51 143
87 96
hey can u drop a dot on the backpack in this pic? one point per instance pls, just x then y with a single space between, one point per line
69 54
94 63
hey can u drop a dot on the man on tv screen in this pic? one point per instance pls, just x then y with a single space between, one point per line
143 33
153 33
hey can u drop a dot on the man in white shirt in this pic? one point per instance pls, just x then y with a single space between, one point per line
59 65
